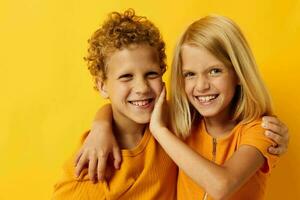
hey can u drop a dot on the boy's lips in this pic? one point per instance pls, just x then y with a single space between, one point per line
144 103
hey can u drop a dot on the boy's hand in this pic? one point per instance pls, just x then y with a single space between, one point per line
98 145
159 114
278 132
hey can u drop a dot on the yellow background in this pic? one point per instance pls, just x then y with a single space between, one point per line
47 99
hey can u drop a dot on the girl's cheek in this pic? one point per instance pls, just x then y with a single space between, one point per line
188 87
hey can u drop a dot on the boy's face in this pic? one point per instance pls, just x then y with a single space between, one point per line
134 81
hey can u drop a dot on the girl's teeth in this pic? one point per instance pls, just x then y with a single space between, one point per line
206 98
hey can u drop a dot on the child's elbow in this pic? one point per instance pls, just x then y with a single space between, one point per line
223 190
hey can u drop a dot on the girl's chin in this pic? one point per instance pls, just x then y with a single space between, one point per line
208 112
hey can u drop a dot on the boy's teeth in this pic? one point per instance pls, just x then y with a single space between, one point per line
205 99
140 103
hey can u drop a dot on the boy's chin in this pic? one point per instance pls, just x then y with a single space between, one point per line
142 119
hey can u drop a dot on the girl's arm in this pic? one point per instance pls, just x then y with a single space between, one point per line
98 145
218 181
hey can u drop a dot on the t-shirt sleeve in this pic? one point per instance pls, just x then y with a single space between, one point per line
253 135
70 187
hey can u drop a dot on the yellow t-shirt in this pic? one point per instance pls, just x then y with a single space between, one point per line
249 134
146 172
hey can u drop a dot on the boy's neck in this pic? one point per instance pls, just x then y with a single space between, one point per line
127 132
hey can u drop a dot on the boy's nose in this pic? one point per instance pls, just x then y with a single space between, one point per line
141 87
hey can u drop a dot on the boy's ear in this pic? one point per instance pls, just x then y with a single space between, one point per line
101 85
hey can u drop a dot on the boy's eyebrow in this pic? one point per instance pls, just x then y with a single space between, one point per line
123 73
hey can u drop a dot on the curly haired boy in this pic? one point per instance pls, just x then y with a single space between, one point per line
126 58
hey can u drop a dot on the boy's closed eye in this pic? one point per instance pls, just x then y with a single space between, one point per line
152 74
125 77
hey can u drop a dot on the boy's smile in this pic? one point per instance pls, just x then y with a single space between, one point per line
133 82
145 103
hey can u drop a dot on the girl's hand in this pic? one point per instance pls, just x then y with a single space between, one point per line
278 132
99 144
159 114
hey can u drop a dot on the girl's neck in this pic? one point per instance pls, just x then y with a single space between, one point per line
219 126
127 132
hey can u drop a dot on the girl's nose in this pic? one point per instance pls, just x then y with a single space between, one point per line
202 84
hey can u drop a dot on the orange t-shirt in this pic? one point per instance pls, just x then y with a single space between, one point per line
146 172
243 134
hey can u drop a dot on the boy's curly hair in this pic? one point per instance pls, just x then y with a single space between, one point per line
118 31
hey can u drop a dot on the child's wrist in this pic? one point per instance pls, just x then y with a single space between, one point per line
157 130
101 125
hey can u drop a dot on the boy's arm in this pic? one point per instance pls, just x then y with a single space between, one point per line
98 145
278 132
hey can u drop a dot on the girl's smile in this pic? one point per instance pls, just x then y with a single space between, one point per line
207 99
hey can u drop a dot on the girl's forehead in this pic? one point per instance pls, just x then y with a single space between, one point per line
193 56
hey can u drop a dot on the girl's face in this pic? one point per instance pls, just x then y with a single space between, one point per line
209 84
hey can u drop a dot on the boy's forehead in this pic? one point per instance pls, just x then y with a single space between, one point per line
136 53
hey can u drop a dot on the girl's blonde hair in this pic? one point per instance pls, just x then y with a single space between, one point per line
224 39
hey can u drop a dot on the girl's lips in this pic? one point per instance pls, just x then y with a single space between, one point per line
206 99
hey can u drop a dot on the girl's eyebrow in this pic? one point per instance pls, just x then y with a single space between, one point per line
216 66
186 70
210 66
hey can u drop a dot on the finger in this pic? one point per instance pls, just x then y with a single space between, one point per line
162 96
276 150
278 139
272 119
80 165
77 157
282 130
92 167
117 157
273 127
102 159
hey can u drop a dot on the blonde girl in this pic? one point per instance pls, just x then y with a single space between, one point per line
217 102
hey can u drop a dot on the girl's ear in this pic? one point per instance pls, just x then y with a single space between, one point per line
238 81
101 85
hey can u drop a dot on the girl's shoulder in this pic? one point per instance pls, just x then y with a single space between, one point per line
255 124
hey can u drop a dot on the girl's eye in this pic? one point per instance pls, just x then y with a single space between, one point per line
125 77
152 75
188 74
215 71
